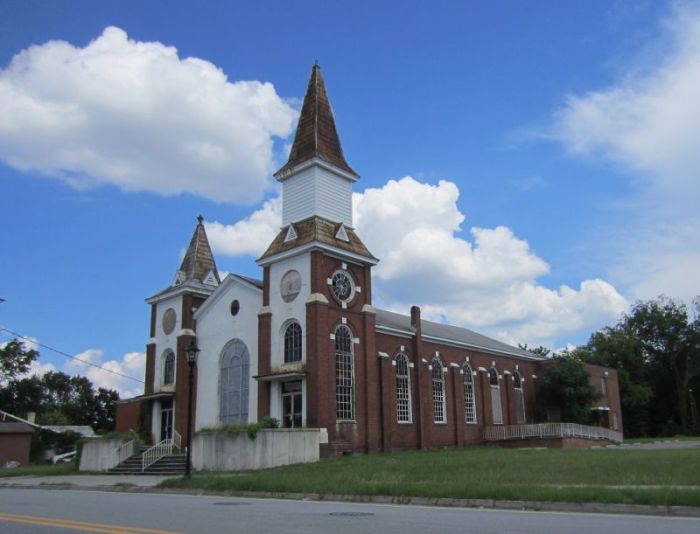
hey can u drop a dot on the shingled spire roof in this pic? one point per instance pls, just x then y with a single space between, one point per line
198 261
316 135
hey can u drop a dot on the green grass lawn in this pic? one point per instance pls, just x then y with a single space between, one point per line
652 440
39 470
667 477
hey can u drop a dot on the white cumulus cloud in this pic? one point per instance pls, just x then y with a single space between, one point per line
111 374
137 116
487 282
648 125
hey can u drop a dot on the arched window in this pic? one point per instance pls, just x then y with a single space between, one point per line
344 375
169 368
233 383
469 397
519 400
292 343
403 390
496 410
438 392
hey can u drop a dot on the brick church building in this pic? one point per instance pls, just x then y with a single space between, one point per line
306 345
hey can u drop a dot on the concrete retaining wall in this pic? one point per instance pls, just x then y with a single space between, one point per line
98 454
222 451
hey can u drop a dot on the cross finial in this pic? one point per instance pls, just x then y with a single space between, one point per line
200 219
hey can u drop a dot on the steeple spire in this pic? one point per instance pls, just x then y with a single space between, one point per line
316 135
198 262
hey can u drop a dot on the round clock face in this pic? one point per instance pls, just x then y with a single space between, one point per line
343 286
290 286
168 323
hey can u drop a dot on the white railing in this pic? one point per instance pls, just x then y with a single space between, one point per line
123 452
164 448
550 430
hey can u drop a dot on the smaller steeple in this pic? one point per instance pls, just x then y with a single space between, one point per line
198 263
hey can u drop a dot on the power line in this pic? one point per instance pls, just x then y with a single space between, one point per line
66 355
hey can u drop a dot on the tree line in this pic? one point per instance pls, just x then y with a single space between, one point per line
655 349
55 397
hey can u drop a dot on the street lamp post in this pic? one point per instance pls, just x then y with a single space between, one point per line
192 351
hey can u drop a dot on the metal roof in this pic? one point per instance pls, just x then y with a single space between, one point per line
451 334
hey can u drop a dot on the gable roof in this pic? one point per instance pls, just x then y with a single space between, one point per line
15 427
230 279
451 334
317 230
316 135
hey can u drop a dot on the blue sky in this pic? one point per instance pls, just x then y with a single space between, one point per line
529 169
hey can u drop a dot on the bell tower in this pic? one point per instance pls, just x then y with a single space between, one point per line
317 285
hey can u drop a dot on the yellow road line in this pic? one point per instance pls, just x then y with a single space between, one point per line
85 526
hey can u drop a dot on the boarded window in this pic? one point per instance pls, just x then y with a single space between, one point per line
496 410
519 399
233 383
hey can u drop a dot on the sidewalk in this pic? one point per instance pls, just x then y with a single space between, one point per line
79 481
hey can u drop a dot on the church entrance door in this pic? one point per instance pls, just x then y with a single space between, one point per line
166 419
291 404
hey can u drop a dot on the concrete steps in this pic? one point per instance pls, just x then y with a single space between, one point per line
173 464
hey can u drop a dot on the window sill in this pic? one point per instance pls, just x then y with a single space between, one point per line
405 423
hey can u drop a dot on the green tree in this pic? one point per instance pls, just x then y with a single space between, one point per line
564 391
541 350
620 349
671 343
58 398
15 360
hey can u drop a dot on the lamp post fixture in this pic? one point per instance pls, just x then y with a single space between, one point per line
192 351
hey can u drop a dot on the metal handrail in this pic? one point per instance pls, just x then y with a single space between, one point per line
550 430
164 448
123 452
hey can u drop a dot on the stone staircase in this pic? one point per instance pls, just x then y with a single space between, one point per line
172 464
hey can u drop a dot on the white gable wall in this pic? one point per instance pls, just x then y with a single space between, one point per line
283 311
165 341
215 328
316 191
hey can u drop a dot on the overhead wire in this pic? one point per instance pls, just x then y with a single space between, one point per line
66 355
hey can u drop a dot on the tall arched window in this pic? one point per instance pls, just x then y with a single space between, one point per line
469 397
519 400
344 375
233 383
438 392
169 368
495 397
403 390
292 343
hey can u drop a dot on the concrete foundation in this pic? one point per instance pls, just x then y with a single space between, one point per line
99 454
223 451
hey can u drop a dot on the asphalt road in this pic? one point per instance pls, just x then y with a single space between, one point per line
41 511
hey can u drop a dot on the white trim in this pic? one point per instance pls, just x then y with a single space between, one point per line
356 340
186 332
333 337
316 245
317 297
368 308
383 355
265 310
358 289
453 364
288 173
342 234
291 234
